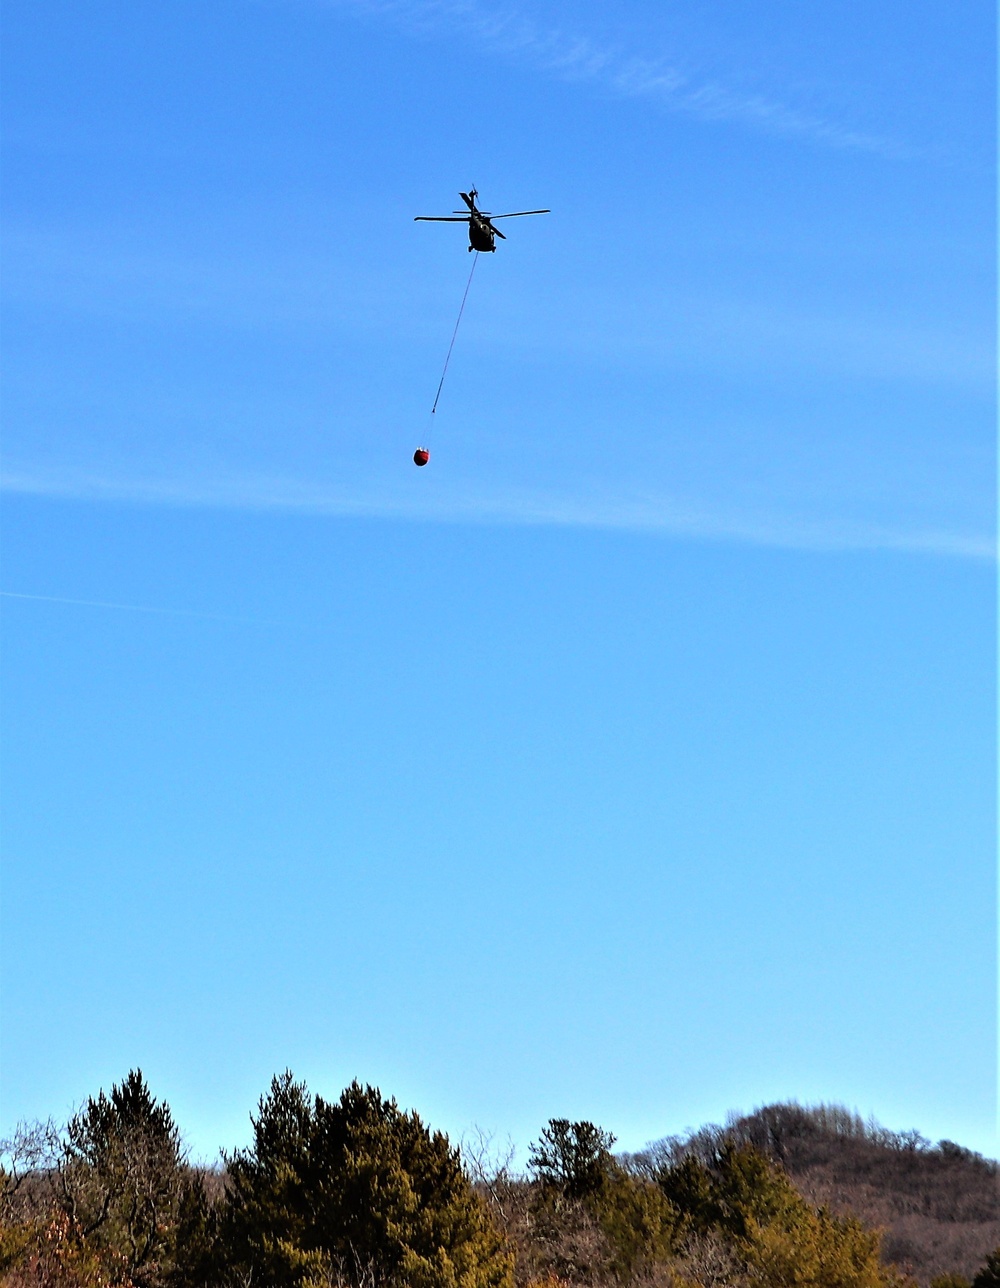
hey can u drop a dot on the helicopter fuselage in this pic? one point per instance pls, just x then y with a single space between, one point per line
481 236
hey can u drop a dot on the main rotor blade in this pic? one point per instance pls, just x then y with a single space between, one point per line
440 219
514 214
469 198
501 235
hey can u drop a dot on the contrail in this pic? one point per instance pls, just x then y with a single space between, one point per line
137 608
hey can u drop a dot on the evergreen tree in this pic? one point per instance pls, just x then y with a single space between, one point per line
989 1276
356 1189
581 1190
194 1262
640 1224
120 1176
571 1157
776 1237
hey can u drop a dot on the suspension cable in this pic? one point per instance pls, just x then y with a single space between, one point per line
475 261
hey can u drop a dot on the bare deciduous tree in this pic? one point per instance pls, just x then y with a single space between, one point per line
489 1163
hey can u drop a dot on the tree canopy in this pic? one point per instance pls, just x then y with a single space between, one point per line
356 1187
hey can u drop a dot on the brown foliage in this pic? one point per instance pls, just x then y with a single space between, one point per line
55 1253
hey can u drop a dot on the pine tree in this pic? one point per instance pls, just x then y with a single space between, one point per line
194 1262
120 1176
358 1190
571 1157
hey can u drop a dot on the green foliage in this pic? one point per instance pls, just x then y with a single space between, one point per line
572 1158
597 1220
687 1185
778 1240
989 1276
638 1221
194 1263
120 1176
949 1281
817 1249
741 1191
358 1190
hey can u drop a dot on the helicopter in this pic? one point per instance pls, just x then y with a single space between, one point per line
481 230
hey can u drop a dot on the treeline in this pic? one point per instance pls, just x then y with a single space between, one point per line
357 1193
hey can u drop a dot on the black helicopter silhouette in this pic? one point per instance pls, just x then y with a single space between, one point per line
481 230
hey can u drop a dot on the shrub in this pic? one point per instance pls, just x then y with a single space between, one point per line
638 1221
53 1254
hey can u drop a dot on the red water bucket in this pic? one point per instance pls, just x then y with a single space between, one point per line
421 456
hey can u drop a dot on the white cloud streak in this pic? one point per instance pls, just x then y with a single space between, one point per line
87 272
637 513
134 608
572 56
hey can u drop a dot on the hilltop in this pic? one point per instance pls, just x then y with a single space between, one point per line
937 1203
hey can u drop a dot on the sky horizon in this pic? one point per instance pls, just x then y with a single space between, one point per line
633 761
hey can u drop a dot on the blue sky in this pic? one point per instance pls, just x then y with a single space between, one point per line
635 759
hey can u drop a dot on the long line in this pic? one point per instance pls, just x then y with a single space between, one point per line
475 261
135 608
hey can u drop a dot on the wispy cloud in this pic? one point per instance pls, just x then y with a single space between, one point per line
615 68
629 512
133 608
98 273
